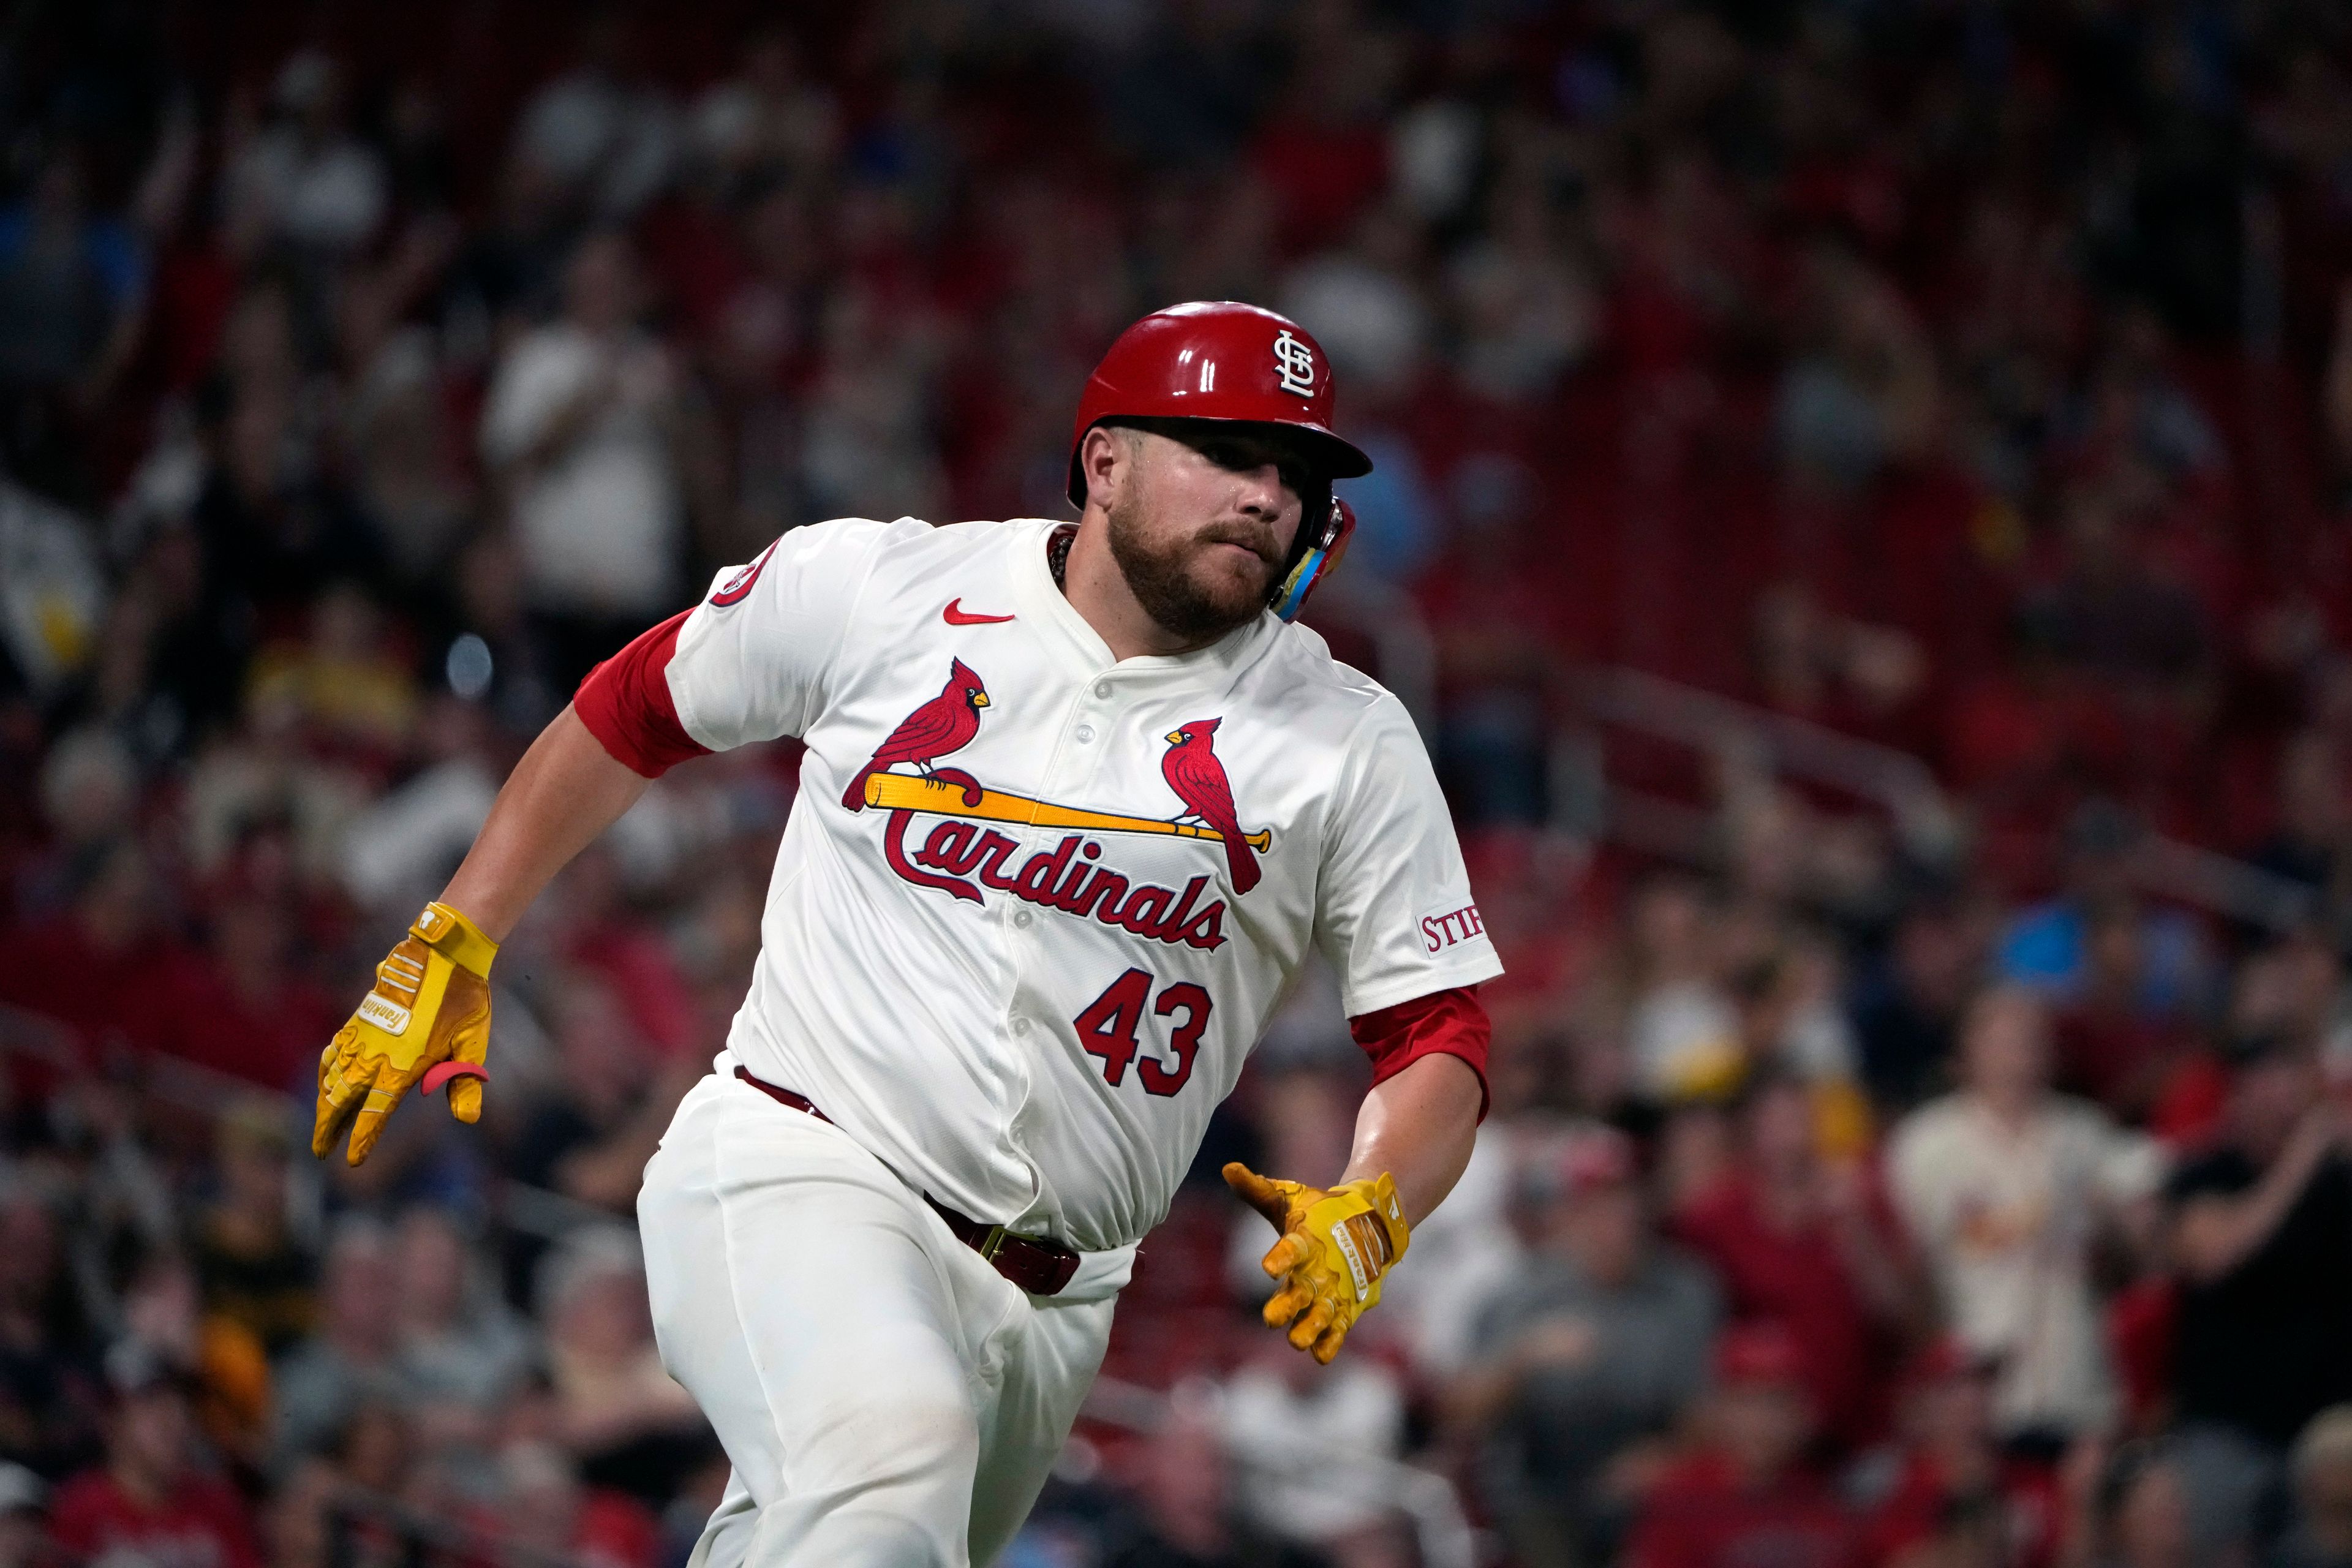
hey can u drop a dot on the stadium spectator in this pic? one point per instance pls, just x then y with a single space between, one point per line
2321 1536
543 1510
297 1528
153 1499
1907 1006
1682 1028
615 1410
1747 1489
1279 1411
1584 1364
255 1269
578 427
275 521
602 133
247 1013
2261 1233
163 1312
2112 617
1185 1515
1796 1240
1954 1496
50 1389
351 1359
2049 947
2312 843
87 969
460 1349
71 281
2111 1043
2129 1509
2007 1186
589 1129
306 178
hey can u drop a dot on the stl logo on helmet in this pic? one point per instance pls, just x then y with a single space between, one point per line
1293 362
962 854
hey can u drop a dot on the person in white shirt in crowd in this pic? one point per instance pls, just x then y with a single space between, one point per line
307 179
580 430
1296 1426
2007 1186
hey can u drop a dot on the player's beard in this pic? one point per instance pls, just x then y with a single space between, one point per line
1167 581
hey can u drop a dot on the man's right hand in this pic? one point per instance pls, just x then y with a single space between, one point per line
428 1018
1335 1245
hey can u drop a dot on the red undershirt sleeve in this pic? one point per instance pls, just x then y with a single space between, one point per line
626 705
1450 1022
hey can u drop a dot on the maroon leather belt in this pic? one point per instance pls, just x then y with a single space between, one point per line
1037 1265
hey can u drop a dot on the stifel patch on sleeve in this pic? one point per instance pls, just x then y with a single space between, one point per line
1450 927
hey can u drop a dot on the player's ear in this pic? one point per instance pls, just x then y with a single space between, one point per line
1105 456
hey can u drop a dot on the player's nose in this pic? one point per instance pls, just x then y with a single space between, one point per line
1260 491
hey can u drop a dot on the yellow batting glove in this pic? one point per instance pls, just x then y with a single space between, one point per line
1336 1244
428 1018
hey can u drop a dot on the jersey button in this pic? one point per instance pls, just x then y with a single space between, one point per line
1102 688
1020 1026
1084 732
1022 918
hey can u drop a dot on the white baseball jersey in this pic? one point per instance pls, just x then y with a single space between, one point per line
1034 905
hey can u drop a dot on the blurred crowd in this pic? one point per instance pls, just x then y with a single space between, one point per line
1926 1178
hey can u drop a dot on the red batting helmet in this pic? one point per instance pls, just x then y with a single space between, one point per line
1222 360
1217 359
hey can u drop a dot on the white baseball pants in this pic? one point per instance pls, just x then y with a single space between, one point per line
887 1399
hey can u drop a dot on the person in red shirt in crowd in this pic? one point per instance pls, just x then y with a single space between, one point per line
597 932
1955 1497
2129 1508
94 969
1795 1240
151 1504
544 1511
1746 1495
245 1013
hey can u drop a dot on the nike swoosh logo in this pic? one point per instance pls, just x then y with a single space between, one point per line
955 616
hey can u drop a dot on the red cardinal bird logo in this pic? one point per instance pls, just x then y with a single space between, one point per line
1192 771
944 724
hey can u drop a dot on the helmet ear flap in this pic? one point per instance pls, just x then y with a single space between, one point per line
1322 551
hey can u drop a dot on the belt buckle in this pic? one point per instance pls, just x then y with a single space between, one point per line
993 1241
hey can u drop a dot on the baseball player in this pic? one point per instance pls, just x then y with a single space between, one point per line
1077 804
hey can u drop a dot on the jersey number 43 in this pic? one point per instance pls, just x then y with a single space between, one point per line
1108 1029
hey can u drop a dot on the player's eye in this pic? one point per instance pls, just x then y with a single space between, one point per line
1247 458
